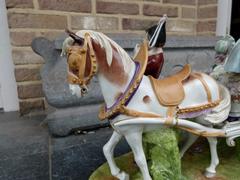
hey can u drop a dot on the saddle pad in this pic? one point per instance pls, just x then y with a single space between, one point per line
170 95
169 90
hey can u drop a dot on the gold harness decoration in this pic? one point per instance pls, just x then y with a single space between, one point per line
140 58
77 59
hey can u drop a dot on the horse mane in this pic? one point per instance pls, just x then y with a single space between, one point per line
107 43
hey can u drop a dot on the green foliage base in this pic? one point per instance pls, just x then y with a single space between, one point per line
194 163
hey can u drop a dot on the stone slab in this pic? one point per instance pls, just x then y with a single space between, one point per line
128 41
201 59
64 121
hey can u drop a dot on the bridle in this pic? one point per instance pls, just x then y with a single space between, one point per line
78 55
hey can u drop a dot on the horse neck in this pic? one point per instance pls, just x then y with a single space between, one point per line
114 79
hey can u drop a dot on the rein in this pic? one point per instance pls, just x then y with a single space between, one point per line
79 54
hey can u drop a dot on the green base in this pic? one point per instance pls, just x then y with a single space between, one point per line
162 154
193 164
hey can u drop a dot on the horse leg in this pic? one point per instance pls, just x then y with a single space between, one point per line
191 139
108 150
134 139
211 170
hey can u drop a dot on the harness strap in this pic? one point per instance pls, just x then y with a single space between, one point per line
93 60
135 113
171 113
199 108
82 65
202 133
200 78
141 63
81 56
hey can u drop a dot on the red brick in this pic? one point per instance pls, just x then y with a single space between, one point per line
22 20
181 26
117 8
137 24
30 91
22 38
189 13
27 74
181 2
153 10
207 2
66 5
206 26
207 12
19 3
94 22
27 106
25 56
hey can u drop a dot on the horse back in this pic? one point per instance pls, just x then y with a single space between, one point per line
200 89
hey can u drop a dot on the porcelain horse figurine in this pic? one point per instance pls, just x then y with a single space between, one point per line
227 70
135 103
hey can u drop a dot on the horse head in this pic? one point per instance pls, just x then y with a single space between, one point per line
92 53
81 60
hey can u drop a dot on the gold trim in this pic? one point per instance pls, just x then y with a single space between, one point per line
80 79
171 112
199 108
142 59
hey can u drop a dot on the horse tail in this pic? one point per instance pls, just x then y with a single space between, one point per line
221 112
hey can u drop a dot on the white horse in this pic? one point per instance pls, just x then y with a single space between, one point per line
132 103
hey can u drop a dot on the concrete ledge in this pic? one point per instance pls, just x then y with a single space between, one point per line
128 41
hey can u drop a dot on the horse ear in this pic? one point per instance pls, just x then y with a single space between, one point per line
76 38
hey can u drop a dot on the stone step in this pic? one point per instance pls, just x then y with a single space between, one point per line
63 121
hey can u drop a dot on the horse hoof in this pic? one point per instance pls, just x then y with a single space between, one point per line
123 176
209 174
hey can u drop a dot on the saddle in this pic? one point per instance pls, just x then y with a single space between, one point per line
169 91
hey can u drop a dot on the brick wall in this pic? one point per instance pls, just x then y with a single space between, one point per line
207 17
31 18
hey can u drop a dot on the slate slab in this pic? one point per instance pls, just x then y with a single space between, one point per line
67 120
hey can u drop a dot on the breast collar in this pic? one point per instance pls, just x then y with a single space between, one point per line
124 99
